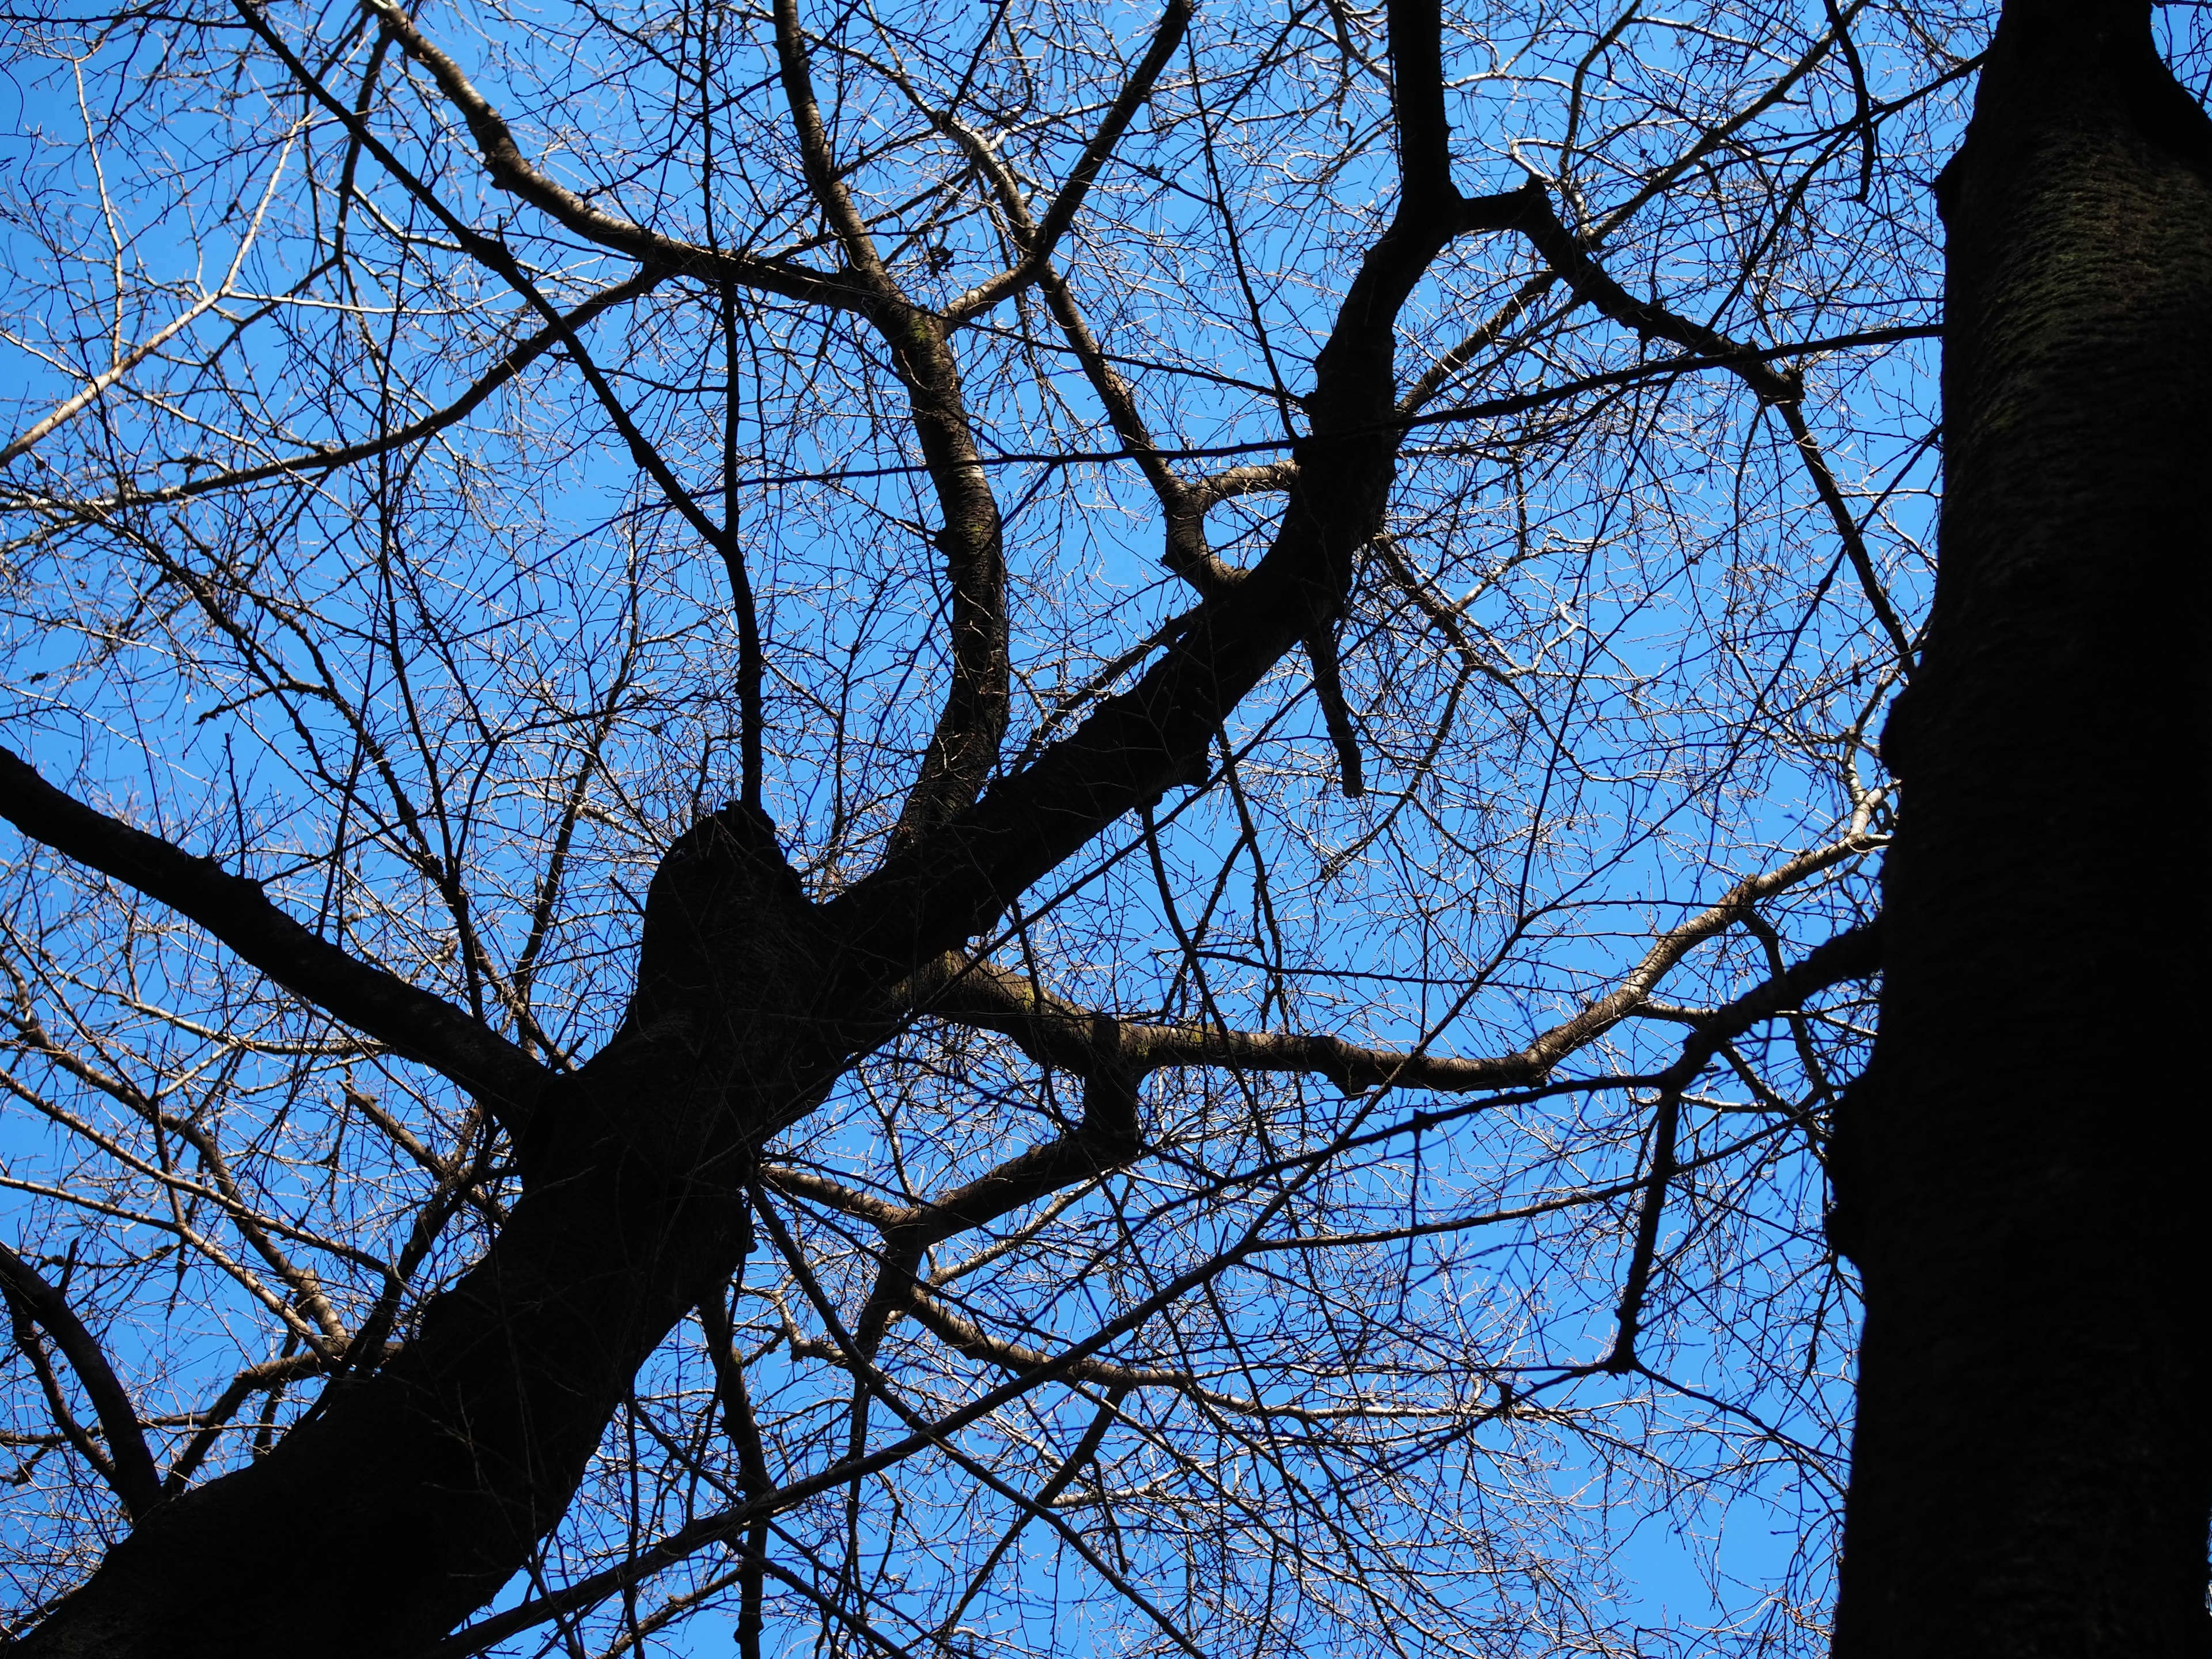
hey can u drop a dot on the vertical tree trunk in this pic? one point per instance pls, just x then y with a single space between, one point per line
2022 1174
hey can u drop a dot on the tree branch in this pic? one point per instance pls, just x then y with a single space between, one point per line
744 1430
1069 202
928 896
1417 98
494 256
869 1379
1055 1032
1107 1138
1070 1466
1784 389
1672 946
707 1529
964 747
517 358
966 1337
1184 505
269 1374
404 1018
512 172
128 1467
1335 712
1854 953
815 155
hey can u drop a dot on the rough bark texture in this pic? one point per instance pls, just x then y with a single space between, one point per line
2021 1175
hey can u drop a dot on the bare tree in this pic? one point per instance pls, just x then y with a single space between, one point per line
957 833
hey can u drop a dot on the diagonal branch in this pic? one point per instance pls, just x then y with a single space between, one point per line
1784 390
1055 1032
964 1336
270 1375
1854 953
933 893
1039 245
71 407
964 747
1107 1138
1183 504
705 1530
410 1021
868 1376
1676 943
512 172
128 1466
495 256
517 358
1335 712
1070 1466
816 157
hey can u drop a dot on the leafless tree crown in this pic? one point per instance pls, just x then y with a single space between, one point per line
1291 610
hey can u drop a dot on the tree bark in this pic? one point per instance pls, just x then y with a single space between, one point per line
409 1497
2020 1174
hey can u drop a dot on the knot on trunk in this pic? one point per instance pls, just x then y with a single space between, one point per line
724 912
711 1057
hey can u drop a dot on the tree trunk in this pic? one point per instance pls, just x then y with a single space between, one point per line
407 1498
2021 1175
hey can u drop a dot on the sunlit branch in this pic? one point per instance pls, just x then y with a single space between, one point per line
1056 1033
1854 954
1069 202
71 407
517 358
1784 390
1676 943
515 172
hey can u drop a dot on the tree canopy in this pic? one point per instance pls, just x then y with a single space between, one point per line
989 829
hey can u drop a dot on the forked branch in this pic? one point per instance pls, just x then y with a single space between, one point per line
1057 1033
1037 250
1856 953
515 172
1783 390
